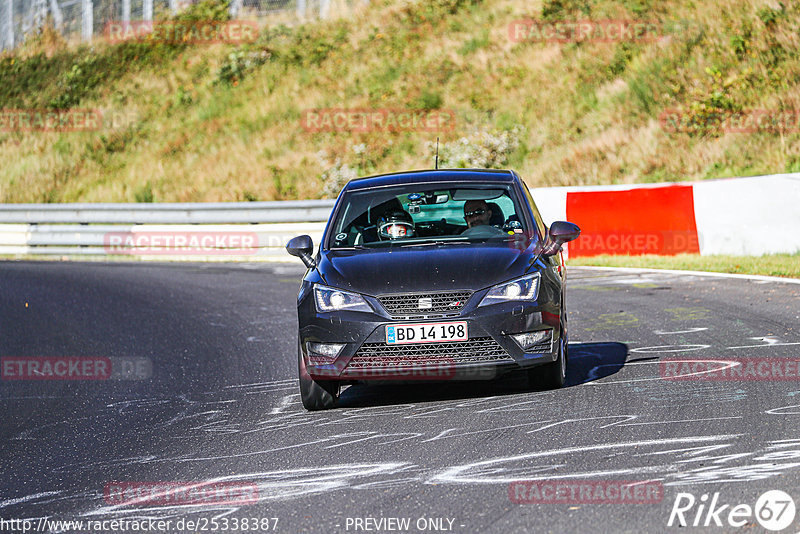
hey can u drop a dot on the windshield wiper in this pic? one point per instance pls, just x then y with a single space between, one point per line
438 242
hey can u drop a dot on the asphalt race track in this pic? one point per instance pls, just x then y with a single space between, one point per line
204 388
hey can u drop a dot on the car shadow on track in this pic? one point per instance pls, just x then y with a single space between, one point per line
587 362
593 361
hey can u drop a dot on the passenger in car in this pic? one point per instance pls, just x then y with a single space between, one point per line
477 215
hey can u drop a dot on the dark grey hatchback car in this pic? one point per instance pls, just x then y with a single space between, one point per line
432 275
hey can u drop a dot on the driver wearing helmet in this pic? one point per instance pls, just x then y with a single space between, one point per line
395 224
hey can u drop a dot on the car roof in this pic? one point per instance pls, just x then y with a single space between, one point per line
441 175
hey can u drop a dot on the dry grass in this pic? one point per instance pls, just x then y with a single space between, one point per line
786 265
590 110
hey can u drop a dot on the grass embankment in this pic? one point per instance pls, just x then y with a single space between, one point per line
787 265
223 122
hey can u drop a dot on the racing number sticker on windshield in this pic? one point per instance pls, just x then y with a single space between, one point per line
426 332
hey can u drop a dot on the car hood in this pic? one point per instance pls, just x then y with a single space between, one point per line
437 267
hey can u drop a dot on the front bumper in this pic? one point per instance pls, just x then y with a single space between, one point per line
489 351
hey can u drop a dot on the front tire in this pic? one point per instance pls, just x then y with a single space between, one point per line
552 375
315 394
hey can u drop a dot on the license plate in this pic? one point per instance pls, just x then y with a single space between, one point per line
398 334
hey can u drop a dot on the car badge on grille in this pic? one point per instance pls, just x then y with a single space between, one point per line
455 304
425 303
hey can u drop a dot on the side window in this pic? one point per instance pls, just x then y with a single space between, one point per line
536 215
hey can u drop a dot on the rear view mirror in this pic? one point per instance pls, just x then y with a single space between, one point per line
476 194
302 246
560 232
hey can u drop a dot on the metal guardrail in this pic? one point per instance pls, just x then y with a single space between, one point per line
175 213
87 18
260 230
200 231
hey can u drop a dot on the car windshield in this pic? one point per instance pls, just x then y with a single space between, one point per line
417 215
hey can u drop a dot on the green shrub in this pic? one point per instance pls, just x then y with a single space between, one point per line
564 9
476 43
311 44
623 53
793 163
144 194
429 100
770 16
238 64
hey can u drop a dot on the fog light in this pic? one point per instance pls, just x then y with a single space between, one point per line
529 339
322 353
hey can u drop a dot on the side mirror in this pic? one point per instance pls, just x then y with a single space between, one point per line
302 246
560 232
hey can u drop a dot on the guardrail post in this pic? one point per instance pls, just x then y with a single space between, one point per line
236 6
7 23
87 19
58 17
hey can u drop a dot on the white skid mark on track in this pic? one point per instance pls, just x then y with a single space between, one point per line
785 410
622 419
766 341
683 421
687 331
408 435
285 402
670 348
718 459
27 498
503 470
275 485
780 443
440 435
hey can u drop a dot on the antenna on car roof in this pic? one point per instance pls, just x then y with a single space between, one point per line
436 164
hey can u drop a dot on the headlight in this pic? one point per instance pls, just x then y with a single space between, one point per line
525 288
329 299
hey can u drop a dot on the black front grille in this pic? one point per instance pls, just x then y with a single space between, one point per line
474 351
424 304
